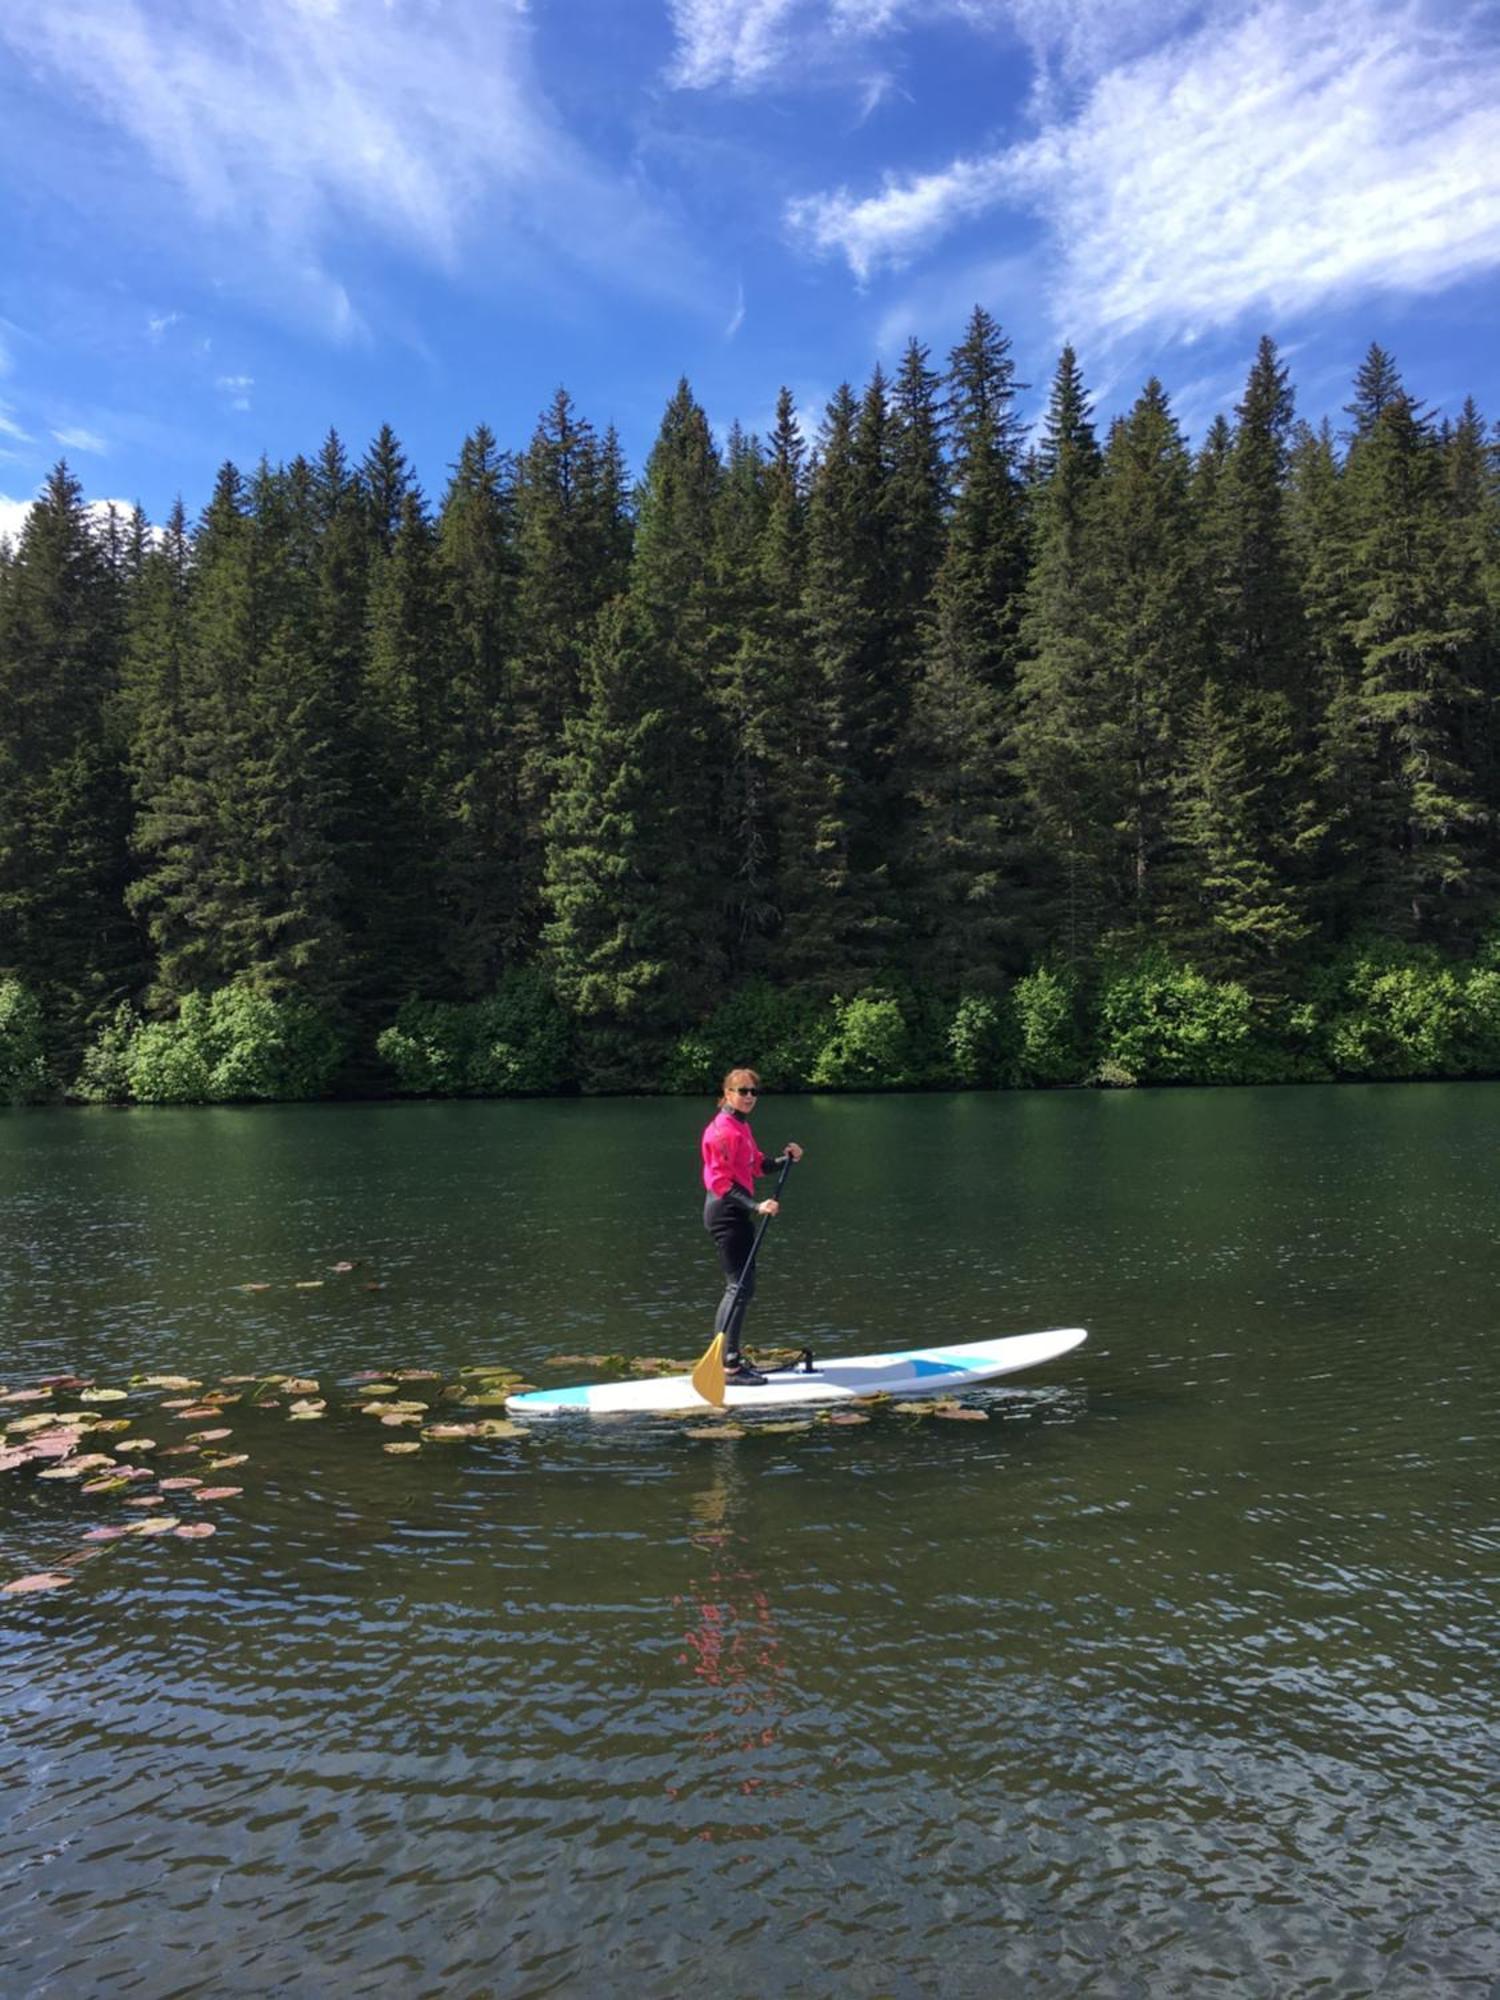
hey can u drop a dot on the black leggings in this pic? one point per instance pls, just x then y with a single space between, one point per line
733 1232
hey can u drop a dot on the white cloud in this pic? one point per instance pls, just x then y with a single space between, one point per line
74 438
160 323
1302 153
738 42
286 122
13 515
11 429
237 388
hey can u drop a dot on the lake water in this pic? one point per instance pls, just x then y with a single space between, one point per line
1175 1676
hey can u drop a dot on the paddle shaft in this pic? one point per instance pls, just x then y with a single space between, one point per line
765 1222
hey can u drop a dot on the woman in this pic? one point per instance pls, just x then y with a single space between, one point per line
731 1161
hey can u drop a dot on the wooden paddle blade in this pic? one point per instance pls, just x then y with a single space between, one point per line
708 1377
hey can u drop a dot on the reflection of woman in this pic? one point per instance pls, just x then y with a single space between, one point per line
731 1161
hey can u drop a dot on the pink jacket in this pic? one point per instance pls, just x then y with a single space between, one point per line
731 1158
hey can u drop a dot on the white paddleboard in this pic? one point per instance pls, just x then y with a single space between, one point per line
916 1371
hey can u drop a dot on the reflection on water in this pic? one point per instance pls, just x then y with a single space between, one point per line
1174 1676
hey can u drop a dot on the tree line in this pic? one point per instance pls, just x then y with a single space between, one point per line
922 714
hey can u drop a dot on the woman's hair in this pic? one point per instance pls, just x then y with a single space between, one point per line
736 1076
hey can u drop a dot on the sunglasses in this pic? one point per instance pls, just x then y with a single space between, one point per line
746 1089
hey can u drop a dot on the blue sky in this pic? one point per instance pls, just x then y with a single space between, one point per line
225 227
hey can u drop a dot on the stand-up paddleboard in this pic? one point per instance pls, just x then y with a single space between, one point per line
916 1371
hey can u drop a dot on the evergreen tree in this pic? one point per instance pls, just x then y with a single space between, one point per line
64 799
1418 632
407 727
631 940
966 853
1060 682
572 554
493 897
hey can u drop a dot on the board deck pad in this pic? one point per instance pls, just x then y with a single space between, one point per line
915 1371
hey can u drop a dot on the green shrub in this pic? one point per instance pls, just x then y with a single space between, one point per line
104 1073
1163 1023
23 1064
165 1064
1400 1012
516 1043
1049 1047
778 1033
282 1050
982 1042
869 1047
233 1045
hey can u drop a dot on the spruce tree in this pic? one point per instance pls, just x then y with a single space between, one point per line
1417 628
1060 681
64 798
631 941
965 845
493 897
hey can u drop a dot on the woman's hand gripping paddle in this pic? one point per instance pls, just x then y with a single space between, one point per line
708 1376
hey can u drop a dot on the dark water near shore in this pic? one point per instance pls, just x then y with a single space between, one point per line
1177 1676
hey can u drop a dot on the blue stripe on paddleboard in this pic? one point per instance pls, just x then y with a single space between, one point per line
931 1367
551 1396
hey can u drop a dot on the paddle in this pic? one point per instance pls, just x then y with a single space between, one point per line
708 1376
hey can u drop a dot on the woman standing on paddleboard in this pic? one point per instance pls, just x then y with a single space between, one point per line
731 1161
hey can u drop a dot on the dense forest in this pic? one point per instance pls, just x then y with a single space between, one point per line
928 751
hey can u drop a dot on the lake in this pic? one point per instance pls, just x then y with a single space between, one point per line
1175 1675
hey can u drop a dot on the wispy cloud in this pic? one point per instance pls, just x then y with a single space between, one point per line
287 123
11 429
237 389
74 438
1297 155
161 323
737 317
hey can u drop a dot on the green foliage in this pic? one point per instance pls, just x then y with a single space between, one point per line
982 1041
779 1033
104 1074
1049 1047
1397 1013
514 1044
869 1048
23 1063
233 1045
1165 1023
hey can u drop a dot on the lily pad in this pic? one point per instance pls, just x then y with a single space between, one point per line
184 1483
105 1534
25 1396
451 1433
166 1382
308 1285
379 1389
298 1385
136 1444
843 1417
197 1410
782 1430
159 1524
399 1419
146 1500
23 1426
400 1450
219 1492
103 1395
309 1406
231 1458
307 1416
180 1451
44 1579
961 1413
210 1437
342 1265
192 1531
715 1431
117 1484
497 1427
